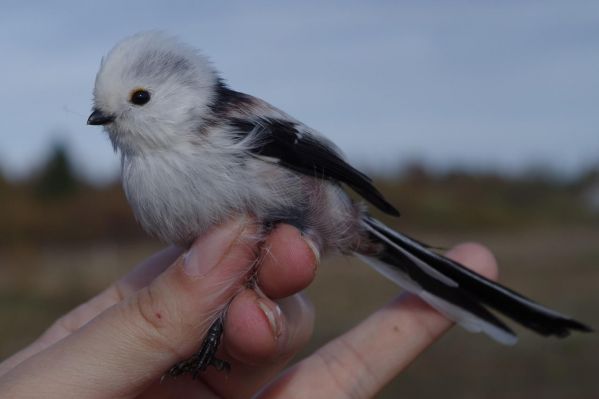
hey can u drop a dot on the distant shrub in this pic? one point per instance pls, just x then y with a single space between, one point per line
56 178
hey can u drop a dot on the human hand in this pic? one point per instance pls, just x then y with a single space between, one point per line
120 343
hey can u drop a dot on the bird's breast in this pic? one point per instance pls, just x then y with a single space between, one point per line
177 196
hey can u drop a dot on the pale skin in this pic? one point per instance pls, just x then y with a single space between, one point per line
120 343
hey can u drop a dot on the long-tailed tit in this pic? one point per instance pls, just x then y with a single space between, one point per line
194 153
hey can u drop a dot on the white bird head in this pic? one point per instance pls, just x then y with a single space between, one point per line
151 92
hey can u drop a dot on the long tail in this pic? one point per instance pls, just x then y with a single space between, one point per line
459 293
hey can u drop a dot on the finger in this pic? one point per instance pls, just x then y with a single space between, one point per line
260 330
136 279
288 264
261 336
363 360
139 277
254 329
133 343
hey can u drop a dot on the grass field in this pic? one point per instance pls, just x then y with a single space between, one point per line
557 266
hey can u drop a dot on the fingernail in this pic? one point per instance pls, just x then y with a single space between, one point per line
207 251
273 314
314 248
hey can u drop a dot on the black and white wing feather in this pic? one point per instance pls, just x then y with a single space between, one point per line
292 146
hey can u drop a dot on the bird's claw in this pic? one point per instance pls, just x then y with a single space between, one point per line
205 357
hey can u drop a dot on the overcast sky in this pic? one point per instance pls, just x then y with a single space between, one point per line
483 84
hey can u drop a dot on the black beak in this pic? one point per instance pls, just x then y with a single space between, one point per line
99 118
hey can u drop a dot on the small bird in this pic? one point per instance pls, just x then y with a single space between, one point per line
195 152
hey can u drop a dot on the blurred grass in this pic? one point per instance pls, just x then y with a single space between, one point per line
59 248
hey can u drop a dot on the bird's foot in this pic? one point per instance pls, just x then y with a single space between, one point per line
205 357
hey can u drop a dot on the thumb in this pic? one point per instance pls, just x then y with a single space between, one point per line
127 347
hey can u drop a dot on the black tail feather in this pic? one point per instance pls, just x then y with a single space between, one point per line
472 290
430 284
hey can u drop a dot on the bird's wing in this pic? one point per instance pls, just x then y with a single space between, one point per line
293 146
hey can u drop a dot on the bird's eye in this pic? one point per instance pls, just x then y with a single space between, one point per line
140 97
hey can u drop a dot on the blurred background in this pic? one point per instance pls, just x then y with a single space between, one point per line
478 119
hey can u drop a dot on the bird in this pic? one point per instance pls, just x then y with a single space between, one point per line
195 152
